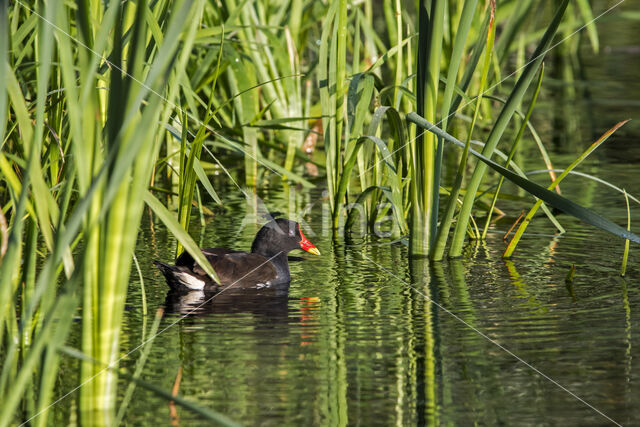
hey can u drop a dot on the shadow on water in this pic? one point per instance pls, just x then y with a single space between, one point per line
268 303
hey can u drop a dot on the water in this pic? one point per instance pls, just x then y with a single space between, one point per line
365 336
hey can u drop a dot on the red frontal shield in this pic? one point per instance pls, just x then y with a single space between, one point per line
307 245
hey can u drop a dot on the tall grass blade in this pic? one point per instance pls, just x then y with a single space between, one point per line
424 192
327 88
358 100
4 67
520 16
9 274
392 177
536 138
143 293
500 126
176 229
625 255
471 65
55 327
457 53
437 251
351 161
523 226
144 354
189 172
514 147
590 177
520 172
204 179
592 31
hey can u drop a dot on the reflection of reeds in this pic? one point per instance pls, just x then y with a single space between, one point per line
426 338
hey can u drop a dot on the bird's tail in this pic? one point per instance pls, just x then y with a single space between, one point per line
180 279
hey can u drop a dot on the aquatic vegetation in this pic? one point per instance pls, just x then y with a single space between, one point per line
106 107
405 174
78 172
527 219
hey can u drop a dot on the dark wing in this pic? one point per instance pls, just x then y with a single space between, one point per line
233 267
241 268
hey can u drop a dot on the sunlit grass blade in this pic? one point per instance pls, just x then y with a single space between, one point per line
8 278
246 106
625 255
471 65
518 17
350 163
204 179
424 192
189 171
500 126
54 330
359 97
514 147
523 226
4 69
392 177
326 85
180 234
520 172
144 354
276 168
589 177
587 16
457 53
536 138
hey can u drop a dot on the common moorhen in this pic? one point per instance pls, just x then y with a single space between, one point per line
266 265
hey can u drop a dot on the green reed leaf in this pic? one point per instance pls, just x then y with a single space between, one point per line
183 237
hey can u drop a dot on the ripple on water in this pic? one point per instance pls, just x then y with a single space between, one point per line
356 337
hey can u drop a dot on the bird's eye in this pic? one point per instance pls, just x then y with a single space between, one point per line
292 232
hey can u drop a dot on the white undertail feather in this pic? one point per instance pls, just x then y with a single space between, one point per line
190 281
